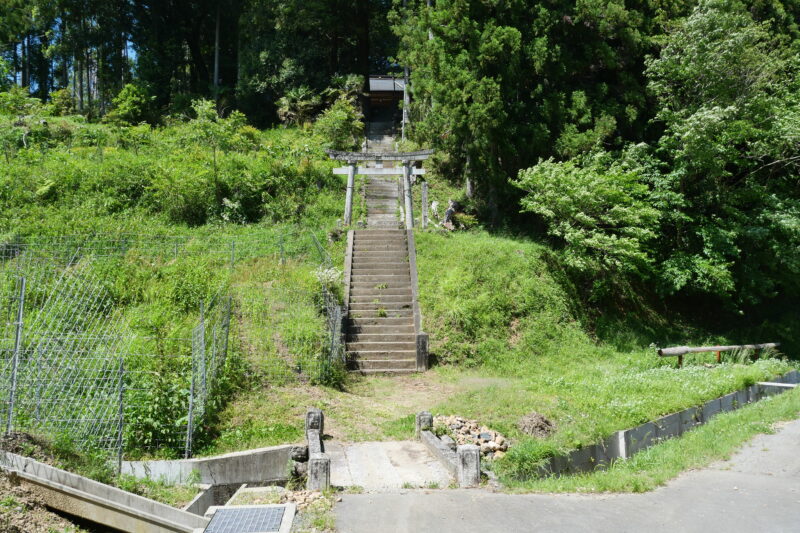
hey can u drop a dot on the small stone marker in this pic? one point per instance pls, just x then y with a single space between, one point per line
468 465
319 472
424 422
315 420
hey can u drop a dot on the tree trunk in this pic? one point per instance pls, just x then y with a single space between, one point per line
25 81
198 65
88 79
216 59
468 185
79 75
15 60
362 37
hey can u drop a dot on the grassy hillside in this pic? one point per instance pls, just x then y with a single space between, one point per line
171 220
504 307
511 329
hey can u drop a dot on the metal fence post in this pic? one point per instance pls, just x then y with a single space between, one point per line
36 417
15 356
233 253
226 327
348 203
280 243
121 413
202 345
214 351
407 195
190 418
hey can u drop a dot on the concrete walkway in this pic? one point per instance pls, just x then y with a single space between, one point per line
381 466
757 490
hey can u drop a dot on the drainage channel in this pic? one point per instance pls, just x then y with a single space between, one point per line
99 503
222 477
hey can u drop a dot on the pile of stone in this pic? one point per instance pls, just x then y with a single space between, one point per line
275 495
460 430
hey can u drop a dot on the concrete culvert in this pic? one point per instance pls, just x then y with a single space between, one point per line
536 425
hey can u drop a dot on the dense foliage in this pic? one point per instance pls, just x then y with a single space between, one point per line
172 220
258 49
204 170
722 176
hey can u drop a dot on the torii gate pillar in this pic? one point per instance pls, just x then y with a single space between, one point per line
348 202
409 203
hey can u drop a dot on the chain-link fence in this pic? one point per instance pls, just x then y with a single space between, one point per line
70 364
61 348
174 384
293 334
281 243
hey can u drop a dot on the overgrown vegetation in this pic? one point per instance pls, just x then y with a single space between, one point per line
507 308
175 218
658 145
626 174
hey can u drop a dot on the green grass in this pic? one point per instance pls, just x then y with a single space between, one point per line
510 331
501 306
651 468
510 338
253 434
176 495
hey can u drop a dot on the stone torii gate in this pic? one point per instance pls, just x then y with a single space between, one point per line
406 170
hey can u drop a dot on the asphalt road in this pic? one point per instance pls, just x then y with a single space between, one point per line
758 490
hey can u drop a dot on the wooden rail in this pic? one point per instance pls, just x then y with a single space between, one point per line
680 351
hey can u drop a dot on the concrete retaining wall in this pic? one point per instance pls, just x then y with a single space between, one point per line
97 502
263 465
444 453
211 496
626 443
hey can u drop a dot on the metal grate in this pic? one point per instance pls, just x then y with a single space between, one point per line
246 520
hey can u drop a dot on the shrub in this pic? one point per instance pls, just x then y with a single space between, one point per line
5 74
131 105
62 103
602 215
340 126
17 101
298 105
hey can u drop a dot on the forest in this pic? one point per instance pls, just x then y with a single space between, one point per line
654 145
625 175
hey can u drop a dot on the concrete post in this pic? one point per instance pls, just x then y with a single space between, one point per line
424 422
315 420
319 472
468 465
407 193
422 352
424 204
348 202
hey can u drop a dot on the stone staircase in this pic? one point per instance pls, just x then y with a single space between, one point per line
382 197
380 331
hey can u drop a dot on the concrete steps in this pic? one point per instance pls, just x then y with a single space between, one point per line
381 329
371 291
385 313
375 346
361 322
381 365
384 299
386 285
380 333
